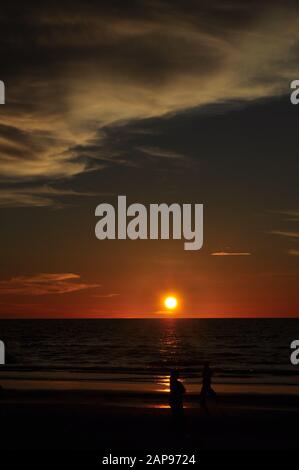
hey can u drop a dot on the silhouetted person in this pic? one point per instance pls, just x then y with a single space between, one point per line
177 391
206 388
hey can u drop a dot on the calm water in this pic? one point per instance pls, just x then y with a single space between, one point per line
244 350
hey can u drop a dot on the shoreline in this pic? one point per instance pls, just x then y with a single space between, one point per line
10 388
138 387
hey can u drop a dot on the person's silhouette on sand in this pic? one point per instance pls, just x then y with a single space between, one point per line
206 388
177 391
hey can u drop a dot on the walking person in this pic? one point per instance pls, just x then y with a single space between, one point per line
177 391
206 388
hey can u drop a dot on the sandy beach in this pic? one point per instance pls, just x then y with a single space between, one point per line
53 419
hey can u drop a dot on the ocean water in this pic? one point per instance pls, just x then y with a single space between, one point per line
239 350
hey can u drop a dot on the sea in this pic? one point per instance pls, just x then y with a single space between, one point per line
144 351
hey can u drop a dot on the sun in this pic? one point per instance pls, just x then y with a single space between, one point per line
170 302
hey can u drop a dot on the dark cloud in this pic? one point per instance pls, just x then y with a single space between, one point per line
72 69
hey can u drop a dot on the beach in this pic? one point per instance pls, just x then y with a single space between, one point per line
100 385
65 419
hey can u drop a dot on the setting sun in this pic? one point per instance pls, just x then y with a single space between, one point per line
170 302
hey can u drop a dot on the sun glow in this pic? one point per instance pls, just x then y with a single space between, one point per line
170 302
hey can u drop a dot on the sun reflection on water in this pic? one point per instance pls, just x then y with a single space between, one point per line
170 343
163 383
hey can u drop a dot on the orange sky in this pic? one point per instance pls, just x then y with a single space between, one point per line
187 102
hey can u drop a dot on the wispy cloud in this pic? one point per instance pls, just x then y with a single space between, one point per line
291 215
44 283
289 219
161 153
231 253
38 196
286 233
293 252
102 66
106 296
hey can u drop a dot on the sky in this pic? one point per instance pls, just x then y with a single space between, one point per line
161 101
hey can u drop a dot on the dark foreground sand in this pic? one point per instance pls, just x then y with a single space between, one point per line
88 420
